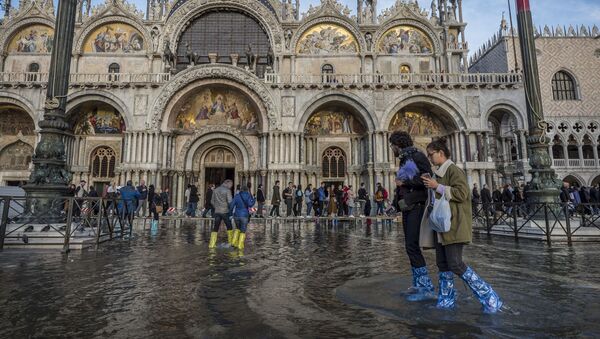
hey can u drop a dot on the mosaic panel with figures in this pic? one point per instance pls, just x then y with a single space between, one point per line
33 39
98 118
14 120
217 106
405 40
333 123
417 124
327 39
114 38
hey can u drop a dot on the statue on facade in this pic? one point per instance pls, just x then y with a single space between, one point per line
168 56
433 9
88 8
288 38
189 54
250 57
369 40
155 34
157 10
270 58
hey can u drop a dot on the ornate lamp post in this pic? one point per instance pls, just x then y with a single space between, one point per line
50 176
544 186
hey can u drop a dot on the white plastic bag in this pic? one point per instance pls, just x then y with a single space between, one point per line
440 218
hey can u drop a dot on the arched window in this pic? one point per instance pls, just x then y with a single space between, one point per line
33 67
334 163
103 162
558 151
114 68
113 72
572 149
404 69
563 86
587 148
327 69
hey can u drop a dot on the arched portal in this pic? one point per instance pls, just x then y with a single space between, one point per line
335 135
95 151
210 157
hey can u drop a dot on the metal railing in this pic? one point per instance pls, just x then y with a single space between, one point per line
99 219
397 79
552 221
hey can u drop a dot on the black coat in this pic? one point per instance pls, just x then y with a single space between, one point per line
207 201
194 194
486 196
260 196
413 190
476 195
594 195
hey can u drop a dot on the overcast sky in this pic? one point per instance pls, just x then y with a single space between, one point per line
483 16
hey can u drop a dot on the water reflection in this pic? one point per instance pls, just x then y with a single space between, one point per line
170 285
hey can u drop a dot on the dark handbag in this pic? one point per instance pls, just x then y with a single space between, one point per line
403 206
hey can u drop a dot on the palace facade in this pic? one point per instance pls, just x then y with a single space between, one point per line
569 70
196 91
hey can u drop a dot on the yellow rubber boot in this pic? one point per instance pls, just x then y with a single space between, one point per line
230 237
213 240
241 240
234 241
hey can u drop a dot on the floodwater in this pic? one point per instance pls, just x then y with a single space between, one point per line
286 284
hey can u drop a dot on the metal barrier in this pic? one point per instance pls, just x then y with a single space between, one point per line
549 219
103 219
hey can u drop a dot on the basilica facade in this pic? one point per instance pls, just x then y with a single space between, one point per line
197 91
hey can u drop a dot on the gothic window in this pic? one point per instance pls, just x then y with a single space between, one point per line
563 86
334 163
558 151
224 33
103 162
572 149
33 67
16 156
587 148
327 69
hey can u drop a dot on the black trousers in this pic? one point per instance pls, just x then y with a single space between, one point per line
297 208
411 222
449 258
222 217
165 208
153 211
288 204
274 210
320 206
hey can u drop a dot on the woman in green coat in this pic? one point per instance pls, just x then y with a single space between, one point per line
451 183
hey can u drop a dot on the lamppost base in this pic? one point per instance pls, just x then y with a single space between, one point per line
45 204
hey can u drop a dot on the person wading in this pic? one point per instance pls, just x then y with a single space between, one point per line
221 199
451 184
275 200
239 208
412 200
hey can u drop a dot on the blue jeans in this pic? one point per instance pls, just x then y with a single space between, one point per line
191 211
380 207
241 223
222 217
308 209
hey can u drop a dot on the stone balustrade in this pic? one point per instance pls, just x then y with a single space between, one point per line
82 79
569 163
423 79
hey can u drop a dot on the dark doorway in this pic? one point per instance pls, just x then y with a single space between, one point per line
334 184
216 176
15 183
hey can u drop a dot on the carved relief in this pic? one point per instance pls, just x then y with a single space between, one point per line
288 106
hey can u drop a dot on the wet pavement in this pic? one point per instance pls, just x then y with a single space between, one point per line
287 283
